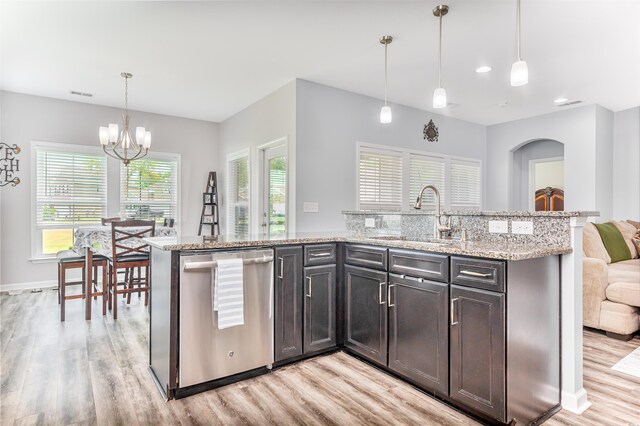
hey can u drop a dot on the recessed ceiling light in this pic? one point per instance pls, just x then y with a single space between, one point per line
483 69
560 100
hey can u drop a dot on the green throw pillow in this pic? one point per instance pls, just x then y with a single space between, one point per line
614 242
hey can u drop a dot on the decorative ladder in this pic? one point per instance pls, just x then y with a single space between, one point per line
210 215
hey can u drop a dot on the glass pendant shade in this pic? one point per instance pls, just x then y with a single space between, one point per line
147 140
104 135
519 73
113 133
385 115
439 98
140 135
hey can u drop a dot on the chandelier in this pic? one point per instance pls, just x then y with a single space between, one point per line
120 145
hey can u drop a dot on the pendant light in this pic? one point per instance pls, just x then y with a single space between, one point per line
385 112
519 70
439 95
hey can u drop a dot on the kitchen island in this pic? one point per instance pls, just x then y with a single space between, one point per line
474 324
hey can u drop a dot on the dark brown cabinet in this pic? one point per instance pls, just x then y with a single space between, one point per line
478 350
366 312
289 296
319 308
419 331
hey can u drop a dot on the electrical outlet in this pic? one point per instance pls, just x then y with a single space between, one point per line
310 207
369 222
522 227
498 226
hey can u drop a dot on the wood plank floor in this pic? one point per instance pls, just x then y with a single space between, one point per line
95 372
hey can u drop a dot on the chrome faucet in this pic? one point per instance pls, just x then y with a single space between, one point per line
439 229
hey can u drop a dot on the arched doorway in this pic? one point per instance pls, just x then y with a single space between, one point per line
537 176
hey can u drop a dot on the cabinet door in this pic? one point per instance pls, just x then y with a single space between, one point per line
366 312
477 369
288 302
419 331
319 308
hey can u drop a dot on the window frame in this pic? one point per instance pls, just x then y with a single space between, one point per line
157 156
36 233
230 228
406 154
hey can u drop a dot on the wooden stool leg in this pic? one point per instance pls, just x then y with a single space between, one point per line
105 289
58 283
147 280
109 285
115 292
129 285
61 288
139 282
95 282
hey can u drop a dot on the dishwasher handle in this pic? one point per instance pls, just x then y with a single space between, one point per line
190 266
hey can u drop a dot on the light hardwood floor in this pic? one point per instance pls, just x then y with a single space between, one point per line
95 372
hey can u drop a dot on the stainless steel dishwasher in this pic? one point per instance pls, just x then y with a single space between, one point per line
207 353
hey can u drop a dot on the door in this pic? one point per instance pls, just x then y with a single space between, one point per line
288 302
366 312
319 307
419 331
477 370
274 191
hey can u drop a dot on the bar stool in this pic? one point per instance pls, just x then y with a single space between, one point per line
68 259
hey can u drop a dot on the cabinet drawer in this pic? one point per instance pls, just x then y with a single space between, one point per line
431 266
478 273
319 254
367 256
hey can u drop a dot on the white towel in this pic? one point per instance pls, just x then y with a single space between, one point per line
228 292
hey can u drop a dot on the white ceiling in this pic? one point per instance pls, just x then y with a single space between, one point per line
209 60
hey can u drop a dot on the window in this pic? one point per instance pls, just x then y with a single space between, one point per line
70 188
426 170
465 185
391 178
379 180
238 195
149 188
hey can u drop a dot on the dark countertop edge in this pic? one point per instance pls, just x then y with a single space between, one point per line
554 215
482 252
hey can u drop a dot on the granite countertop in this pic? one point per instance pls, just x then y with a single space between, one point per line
477 213
504 251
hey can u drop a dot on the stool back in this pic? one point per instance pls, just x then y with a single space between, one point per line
126 235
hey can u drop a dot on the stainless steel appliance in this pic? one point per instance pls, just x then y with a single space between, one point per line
207 353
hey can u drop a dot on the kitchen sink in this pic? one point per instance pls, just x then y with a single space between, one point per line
396 239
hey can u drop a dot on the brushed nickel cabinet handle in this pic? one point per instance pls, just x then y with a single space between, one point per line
281 275
475 274
309 294
323 254
452 311
380 291
389 295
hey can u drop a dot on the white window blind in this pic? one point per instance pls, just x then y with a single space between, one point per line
71 188
379 180
238 197
149 189
465 184
424 170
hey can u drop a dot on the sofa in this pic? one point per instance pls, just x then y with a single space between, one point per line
611 290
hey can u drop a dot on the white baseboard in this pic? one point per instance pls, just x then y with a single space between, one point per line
28 285
575 402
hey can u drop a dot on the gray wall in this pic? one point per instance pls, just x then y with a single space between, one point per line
577 129
26 118
272 117
604 162
626 158
329 123
521 157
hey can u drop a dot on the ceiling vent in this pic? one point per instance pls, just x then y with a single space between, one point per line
87 95
566 104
